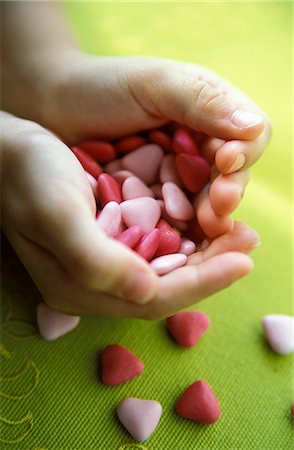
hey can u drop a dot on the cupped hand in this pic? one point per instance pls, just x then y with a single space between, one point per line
97 97
48 214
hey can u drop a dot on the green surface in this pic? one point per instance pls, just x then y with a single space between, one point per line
58 401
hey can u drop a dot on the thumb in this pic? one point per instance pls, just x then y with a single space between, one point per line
198 98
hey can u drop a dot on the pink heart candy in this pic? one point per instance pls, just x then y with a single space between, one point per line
133 187
143 211
187 247
167 263
144 162
176 203
279 331
53 324
110 219
139 417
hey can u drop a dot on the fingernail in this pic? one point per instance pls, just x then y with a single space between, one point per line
238 163
245 119
141 290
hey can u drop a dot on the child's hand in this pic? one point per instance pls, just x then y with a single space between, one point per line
48 214
82 97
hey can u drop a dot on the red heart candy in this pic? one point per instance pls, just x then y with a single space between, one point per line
188 327
108 189
193 170
88 163
199 403
102 151
169 239
160 138
130 143
119 365
184 143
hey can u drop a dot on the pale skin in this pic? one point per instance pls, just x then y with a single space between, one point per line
54 95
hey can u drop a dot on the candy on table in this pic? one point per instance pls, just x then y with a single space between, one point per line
279 332
167 263
143 211
133 187
193 170
131 236
119 365
148 245
176 203
89 164
183 142
109 219
188 327
199 403
169 239
53 324
130 143
187 247
144 162
101 151
139 417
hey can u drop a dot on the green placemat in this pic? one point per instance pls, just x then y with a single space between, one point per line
51 393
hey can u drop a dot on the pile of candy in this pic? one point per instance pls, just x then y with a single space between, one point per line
145 188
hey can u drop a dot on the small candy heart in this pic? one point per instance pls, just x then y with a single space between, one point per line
148 244
194 171
176 203
167 263
102 151
109 219
188 327
187 247
88 163
184 143
144 162
133 187
199 403
131 236
139 417
279 331
143 211
129 143
119 365
160 138
53 324
109 189
169 239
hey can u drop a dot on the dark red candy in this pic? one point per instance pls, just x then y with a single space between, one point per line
162 139
109 189
188 327
183 142
102 151
199 403
148 245
88 163
169 239
193 170
130 143
119 365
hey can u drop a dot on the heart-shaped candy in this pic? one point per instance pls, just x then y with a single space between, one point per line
199 403
143 211
139 417
188 327
54 324
279 331
119 365
193 170
144 162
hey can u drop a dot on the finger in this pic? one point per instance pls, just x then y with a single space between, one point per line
209 147
240 155
226 191
212 224
61 219
241 238
199 99
187 285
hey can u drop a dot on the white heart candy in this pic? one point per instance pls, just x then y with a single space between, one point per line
279 331
139 417
53 324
